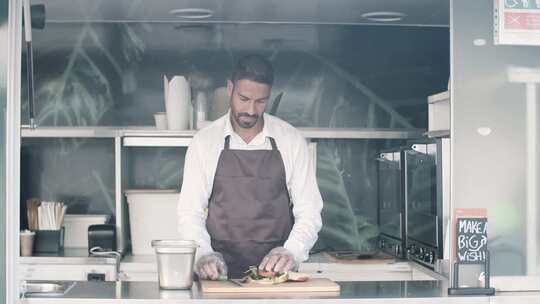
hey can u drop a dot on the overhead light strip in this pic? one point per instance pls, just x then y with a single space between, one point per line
384 16
192 13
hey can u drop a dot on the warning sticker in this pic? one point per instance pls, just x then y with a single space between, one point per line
522 21
517 22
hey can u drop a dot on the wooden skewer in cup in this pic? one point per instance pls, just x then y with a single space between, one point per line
32 206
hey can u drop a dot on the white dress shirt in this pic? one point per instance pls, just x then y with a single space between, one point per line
200 167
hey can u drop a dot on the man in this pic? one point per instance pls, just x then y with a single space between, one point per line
252 173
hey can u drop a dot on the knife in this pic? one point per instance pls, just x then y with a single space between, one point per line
237 282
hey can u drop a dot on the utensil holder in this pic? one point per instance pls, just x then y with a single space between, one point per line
49 240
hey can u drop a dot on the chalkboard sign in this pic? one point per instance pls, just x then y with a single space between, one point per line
471 240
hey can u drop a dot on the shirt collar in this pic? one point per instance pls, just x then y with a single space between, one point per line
259 139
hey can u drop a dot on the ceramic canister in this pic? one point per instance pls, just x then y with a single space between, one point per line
178 103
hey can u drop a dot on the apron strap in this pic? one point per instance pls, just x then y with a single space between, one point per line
227 140
273 143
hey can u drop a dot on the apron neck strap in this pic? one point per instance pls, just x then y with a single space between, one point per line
273 143
227 140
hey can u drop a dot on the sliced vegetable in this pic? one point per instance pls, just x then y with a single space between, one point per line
255 275
266 274
298 276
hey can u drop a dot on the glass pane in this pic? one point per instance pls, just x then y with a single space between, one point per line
348 180
421 196
390 193
112 73
155 168
78 172
490 133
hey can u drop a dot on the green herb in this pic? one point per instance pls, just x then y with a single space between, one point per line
223 277
253 273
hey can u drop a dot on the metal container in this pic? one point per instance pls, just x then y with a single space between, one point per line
175 263
45 288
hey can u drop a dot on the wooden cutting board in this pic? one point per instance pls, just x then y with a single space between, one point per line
312 285
378 258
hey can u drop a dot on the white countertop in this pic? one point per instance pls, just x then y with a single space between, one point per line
351 292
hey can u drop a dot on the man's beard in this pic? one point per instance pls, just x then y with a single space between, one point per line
246 124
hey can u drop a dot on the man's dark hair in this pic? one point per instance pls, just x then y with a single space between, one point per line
255 68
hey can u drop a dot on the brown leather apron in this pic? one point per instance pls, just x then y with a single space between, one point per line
249 212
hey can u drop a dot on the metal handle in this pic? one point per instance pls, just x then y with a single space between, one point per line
437 232
27 21
29 61
401 225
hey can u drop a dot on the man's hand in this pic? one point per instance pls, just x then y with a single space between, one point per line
211 266
278 259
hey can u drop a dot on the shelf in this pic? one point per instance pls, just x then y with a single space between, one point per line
138 141
142 132
361 133
438 133
76 256
310 133
153 132
523 74
443 96
69 132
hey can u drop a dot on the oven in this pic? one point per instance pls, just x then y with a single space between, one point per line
426 200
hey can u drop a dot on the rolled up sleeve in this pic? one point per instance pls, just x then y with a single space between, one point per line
307 203
193 201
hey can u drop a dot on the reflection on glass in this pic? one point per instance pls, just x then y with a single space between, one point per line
155 168
347 178
390 198
421 185
111 74
78 172
91 74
